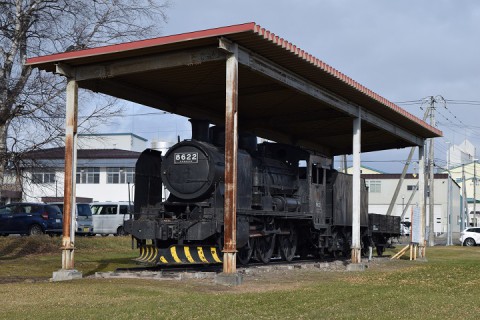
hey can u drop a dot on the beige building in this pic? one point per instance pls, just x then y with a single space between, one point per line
365 170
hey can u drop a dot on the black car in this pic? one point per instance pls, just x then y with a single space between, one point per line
30 219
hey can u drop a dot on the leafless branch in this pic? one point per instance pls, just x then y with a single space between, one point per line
32 102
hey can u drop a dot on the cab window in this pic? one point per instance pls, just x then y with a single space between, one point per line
317 174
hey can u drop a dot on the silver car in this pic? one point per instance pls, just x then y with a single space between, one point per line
83 221
470 236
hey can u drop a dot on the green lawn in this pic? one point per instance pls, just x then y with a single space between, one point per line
447 286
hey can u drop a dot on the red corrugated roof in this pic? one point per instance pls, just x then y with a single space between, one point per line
225 31
264 43
142 44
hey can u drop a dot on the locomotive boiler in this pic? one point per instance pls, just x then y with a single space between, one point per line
290 201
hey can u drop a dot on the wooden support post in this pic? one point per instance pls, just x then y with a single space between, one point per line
231 146
356 203
401 252
68 239
423 197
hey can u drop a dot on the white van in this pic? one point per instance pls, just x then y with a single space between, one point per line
108 217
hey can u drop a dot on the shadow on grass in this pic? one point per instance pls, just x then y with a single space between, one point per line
108 265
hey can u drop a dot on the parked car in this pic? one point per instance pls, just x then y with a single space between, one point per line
108 217
30 219
470 236
83 219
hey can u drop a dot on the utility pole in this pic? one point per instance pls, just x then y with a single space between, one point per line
465 202
431 203
474 191
449 200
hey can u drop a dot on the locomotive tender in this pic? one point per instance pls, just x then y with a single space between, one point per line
290 201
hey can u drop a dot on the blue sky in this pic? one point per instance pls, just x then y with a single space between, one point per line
403 50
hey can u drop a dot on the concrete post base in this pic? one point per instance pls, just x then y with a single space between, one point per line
356 267
229 279
64 275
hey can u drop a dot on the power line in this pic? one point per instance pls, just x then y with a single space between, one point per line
103 116
464 102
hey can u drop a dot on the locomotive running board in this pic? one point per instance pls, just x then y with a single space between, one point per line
178 254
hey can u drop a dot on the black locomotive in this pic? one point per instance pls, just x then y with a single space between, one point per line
290 201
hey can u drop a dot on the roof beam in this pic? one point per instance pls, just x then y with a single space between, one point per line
300 118
286 138
153 99
270 69
245 91
142 64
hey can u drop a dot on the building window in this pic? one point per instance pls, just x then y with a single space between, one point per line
88 175
411 187
47 176
374 186
120 175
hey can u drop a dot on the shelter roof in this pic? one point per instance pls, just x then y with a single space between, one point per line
285 94
59 153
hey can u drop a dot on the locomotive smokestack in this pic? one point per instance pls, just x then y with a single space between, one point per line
200 130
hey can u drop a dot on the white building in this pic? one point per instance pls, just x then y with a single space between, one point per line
122 141
461 153
381 188
105 168
468 174
102 175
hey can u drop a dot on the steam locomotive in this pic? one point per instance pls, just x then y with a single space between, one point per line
290 202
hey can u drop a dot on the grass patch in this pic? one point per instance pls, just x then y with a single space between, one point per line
444 287
26 258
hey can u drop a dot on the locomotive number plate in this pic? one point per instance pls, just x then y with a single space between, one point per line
185 157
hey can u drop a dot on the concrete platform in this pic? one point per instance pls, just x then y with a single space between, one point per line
356 267
65 275
229 279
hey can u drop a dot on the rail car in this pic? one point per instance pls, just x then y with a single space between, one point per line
290 201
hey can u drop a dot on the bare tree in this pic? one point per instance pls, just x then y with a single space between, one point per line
32 105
